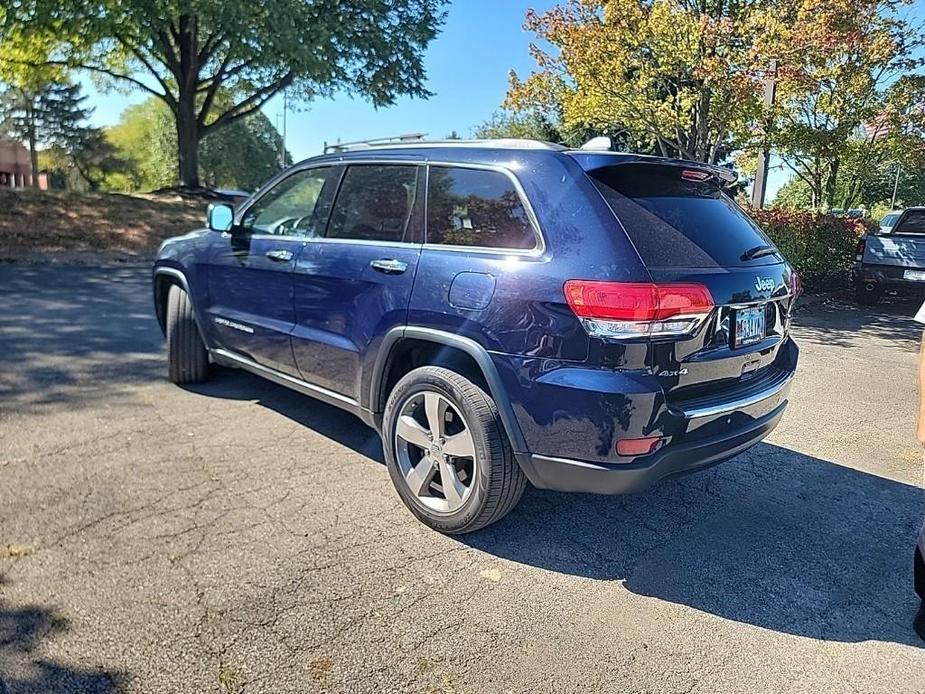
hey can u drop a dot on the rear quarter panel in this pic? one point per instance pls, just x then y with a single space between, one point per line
527 313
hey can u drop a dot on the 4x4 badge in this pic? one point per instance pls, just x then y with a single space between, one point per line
764 284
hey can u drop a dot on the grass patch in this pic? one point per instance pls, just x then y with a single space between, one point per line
16 551
229 680
44 223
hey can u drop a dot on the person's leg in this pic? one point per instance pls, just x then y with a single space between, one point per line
918 575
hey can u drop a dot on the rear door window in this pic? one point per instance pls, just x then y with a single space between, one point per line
675 222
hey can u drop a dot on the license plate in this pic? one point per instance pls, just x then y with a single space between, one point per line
916 275
749 326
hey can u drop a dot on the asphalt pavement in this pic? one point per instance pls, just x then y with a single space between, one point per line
238 537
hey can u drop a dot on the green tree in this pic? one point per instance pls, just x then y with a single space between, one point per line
146 137
50 114
842 65
527 125
188 52
794 195
547 125
243 155
676 74
85 164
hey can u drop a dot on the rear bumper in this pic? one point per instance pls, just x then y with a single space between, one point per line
886 277
679 458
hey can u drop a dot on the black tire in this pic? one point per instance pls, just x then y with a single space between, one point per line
497 483
866 297
187 358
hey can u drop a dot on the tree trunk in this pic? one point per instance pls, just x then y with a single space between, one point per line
187 118
188 142
831 182
33 151
817 186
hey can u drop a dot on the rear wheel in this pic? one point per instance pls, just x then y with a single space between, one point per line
867 294
187 358
447 452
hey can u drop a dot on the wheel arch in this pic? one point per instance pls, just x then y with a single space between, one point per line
164 278
465 354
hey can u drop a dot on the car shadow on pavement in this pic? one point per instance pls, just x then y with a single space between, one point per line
845 324
23 669
324 419
773 538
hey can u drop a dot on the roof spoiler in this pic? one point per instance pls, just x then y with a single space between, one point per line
590 158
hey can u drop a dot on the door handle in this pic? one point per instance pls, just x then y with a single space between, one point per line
389 266
279 255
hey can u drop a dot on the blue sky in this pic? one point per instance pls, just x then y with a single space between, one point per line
467 68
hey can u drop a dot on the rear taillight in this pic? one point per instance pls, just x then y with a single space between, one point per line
859 251
796 285
628 310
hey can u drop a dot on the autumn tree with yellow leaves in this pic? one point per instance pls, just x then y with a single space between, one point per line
686 78
677 75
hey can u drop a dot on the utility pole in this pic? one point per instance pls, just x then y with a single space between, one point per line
895 188
282 151
761 176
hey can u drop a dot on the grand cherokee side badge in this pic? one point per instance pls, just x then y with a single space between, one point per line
236 326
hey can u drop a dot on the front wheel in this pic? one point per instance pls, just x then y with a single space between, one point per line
447 452
187 358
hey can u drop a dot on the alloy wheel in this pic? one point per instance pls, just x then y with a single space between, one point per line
435 451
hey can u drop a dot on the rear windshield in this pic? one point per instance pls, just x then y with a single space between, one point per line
911 222
675 222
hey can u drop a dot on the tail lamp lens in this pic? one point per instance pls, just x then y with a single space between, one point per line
626 310
796 286
859 251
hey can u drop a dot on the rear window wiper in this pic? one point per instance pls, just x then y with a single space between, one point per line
758 252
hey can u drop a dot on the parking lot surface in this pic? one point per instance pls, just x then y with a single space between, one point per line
238 537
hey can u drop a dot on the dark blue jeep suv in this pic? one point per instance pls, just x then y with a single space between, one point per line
500 312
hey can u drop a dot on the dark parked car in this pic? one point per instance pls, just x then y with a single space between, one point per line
892 261
500 312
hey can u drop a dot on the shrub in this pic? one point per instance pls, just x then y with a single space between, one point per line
819 246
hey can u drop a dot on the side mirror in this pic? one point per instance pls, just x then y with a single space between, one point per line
220 216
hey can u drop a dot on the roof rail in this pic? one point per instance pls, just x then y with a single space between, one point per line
417 140
375 142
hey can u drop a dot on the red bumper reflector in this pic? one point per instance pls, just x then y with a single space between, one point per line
633 447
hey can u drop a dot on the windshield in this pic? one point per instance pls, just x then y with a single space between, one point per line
889 220
674 222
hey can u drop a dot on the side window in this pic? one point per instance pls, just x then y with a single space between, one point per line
474 207
291 207
375 203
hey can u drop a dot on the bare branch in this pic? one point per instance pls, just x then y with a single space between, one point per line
93 68
251 103
139 55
